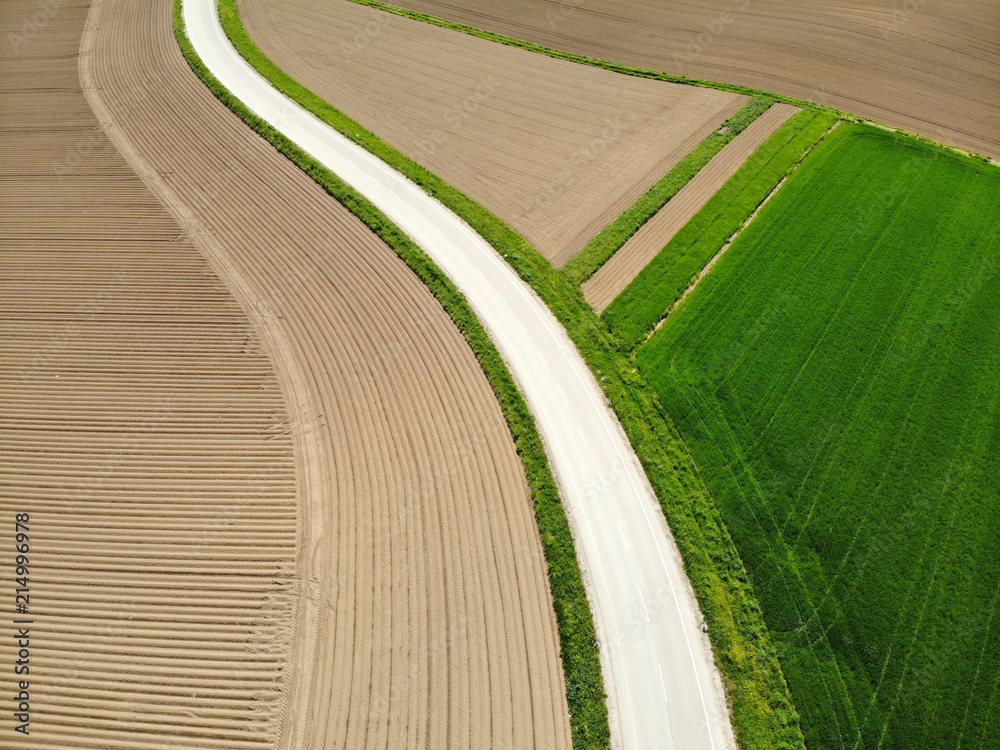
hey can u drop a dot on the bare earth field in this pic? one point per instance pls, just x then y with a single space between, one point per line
601 288
144 432
426 619
555 149
274 500
930 66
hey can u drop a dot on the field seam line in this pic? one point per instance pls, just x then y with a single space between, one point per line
595 264
631 253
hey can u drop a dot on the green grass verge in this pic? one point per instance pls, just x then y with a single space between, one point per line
836 377
762 713
581 664
609 240
644 302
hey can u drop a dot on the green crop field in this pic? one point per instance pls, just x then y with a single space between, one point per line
837 379
642 304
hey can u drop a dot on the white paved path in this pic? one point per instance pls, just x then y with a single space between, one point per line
664 691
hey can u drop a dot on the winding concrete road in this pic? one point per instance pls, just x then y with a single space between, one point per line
664 691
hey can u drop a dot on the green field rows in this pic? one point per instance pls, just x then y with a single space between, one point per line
634 312
837 379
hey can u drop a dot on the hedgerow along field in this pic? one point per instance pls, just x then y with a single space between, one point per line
641 305
837 378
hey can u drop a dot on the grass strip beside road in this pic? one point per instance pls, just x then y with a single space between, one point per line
578 639
609 240
644 302
762 713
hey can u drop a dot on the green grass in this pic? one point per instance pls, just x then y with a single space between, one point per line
606 243
837 378
644 302
762 713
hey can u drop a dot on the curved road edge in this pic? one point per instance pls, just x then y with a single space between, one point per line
663 687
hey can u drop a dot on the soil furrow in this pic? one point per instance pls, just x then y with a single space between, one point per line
401 447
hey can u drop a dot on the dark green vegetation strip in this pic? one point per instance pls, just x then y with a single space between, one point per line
837 378
599 250
644 302
762 713
584 686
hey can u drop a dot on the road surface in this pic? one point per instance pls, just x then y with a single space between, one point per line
663 688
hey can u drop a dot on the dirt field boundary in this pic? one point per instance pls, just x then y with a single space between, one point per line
761 709
578 640
609 240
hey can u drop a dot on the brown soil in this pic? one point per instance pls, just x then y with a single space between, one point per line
932 67
142 429
609 281
556 150
249 364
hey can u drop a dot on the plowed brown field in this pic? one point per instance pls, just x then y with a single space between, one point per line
143 430
160 441
601 288
556 150
930 67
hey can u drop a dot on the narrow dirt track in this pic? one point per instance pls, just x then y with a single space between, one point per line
601 288
425 618
556 150
143 430
930 66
